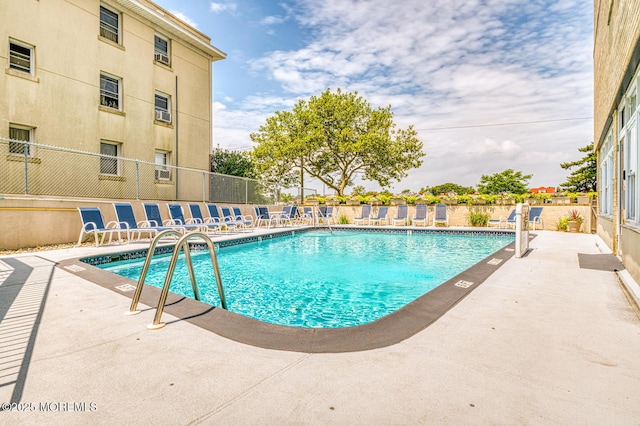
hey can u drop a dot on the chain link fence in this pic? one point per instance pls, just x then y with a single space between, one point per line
29 168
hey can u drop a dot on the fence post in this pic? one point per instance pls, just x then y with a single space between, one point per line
137 180
25 149
204 187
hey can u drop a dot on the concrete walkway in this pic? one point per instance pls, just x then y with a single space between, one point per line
542 341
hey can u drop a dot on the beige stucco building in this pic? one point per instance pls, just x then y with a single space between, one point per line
616 129
118 77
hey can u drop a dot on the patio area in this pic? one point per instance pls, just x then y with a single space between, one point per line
550 338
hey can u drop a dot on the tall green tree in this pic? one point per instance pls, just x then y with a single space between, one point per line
234 163
448 187
585 176
507 181
333 138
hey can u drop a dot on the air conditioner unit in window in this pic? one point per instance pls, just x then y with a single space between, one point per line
163 116
162 174
161 57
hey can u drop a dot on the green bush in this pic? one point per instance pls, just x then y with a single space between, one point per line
477 218
562 225
343 219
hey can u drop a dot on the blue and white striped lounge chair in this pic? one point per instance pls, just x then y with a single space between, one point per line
365 212
421 215
93 224
382 216
211 223
402 215
440 215
127 220
177 219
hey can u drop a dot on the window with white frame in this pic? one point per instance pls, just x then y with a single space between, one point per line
162 161
110 91
20 56
633 161
20 133
109 24
162 107
606 176
109 158
161 50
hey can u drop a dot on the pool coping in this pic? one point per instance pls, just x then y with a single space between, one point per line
385 331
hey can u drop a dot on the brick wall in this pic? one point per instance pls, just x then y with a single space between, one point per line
616 33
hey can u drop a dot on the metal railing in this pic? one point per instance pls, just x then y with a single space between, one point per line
30 168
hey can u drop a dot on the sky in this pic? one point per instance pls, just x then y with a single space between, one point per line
490 85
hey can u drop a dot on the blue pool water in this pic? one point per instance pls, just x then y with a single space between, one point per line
322 279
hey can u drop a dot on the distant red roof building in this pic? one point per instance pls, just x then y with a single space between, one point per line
543 190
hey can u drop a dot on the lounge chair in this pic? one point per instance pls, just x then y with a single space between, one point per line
214 214
383 212
289 214
498 222
93 224
211 223
365 212
247 220
440 215
421 215
177 219
511 220
535 216
263 216
229 219
306 216
325 214
127 220
401 216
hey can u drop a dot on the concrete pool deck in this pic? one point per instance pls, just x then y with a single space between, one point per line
544 340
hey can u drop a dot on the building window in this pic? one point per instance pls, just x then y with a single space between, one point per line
162 161
606 177
110 91
20 133
162 108
21 57
109 161
161 50
109 24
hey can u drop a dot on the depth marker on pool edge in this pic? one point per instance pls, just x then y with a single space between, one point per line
464 284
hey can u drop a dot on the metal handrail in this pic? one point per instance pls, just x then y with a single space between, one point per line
183 244
133 310
320 215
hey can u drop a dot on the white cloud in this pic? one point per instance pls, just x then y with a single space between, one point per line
222 7
448 63
184 18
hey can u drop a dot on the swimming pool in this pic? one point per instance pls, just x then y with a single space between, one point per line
319 279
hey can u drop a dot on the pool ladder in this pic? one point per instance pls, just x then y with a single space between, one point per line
182 244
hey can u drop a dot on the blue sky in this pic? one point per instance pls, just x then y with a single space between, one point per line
461 71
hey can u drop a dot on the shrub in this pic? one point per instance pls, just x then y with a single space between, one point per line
477 218
562 225
343 219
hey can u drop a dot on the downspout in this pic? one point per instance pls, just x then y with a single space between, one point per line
177 150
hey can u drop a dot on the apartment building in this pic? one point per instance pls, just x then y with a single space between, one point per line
616 130
123 78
